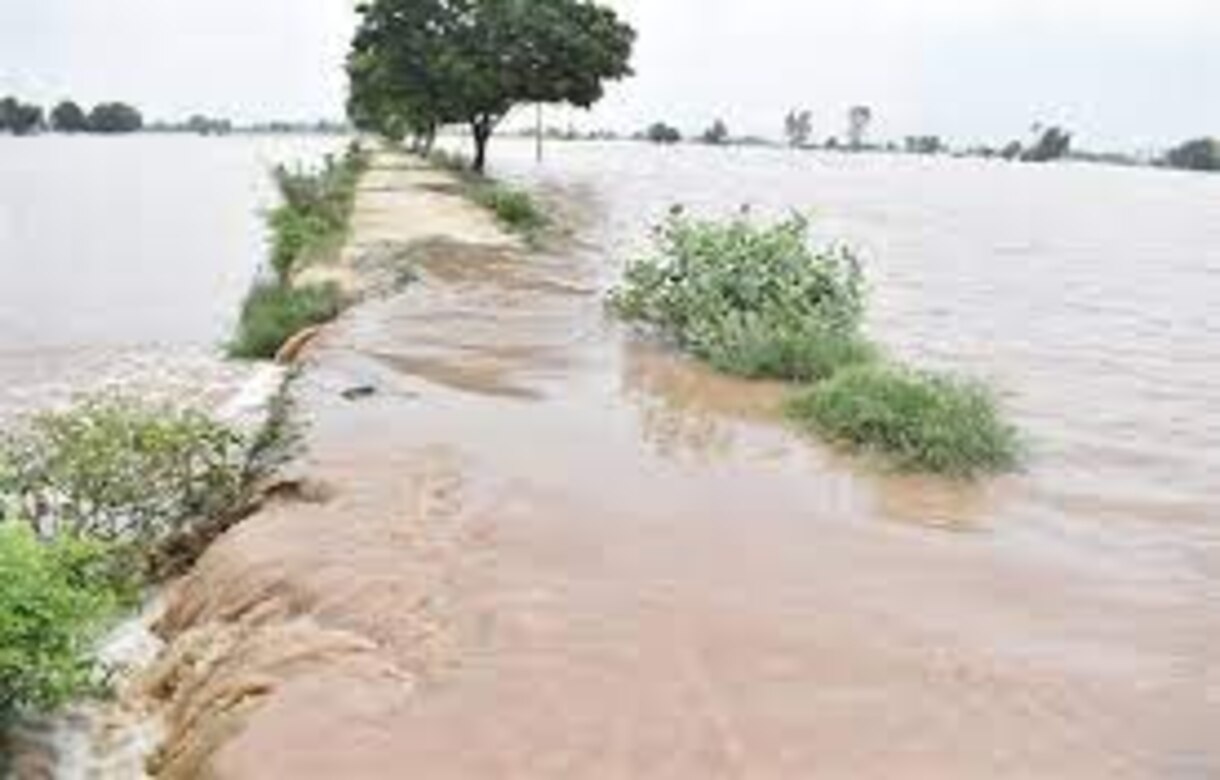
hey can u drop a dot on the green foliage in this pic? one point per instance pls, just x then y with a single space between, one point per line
914 420
421 64
317 205
53 606
1201 154
19 118
68 117
516 209
661 133
798 128
116 470
858 120
273 313
755 301
115 118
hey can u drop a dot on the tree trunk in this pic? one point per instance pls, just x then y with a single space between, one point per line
481 128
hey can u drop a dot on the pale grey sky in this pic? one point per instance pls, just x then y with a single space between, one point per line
1123 73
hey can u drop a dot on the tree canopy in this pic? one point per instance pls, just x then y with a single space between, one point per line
68 117
115 118
798 127
716 134
416 65
19 118
1201 154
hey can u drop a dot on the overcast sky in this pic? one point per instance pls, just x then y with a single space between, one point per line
1123 73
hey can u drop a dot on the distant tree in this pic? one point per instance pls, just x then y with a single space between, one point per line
115 118
661 133
207 126
19 118
1012 151
798 127
422 64
1052 144
858 120
832 143
1201 154
924 144
68 117
717 134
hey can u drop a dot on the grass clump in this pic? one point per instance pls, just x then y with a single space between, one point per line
515 209
272 313
754 301
914 420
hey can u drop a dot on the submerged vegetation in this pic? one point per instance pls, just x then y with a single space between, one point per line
759 301
93 502
307 228
754 301
915 420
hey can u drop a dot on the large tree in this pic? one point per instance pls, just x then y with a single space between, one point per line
425 63
68 117
115 118
19 118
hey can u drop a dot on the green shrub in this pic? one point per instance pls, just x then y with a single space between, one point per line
914 420
755 301
317 205
116 470
53 608
274 312
515 209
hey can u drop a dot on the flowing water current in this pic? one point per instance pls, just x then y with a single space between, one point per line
668 582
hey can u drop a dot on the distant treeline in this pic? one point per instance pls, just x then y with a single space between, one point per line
1046 143
21 118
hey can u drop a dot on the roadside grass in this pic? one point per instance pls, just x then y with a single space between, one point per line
760 302
273 313
308 227
514 208
913 420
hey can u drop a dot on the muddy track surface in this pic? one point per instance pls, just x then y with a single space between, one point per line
538 549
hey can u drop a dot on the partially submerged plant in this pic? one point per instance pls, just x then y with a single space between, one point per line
914 420
516 209
53 607
273 313
755 301
117 470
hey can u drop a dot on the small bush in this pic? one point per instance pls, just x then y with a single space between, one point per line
274 312
915 420
116 470
515 209
53 606
755 301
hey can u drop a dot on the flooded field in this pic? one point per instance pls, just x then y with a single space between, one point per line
544 548
123 260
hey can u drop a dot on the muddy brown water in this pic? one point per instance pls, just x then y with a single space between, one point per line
546 548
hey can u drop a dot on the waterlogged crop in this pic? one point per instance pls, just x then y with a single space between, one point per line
914 420
753 300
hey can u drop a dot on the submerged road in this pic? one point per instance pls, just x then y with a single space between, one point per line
542 550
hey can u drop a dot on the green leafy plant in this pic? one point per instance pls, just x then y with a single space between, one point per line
914 420
753 300
117 470
272 313
55 599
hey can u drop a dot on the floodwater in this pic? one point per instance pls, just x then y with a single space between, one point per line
546 548
123 261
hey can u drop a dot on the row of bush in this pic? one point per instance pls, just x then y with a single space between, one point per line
96 503
759 301
308 227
